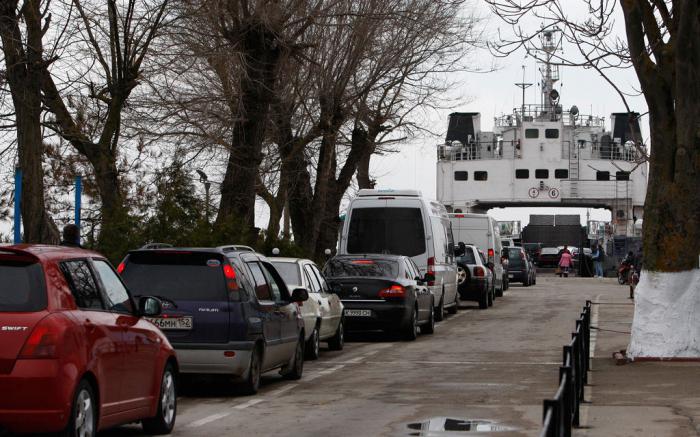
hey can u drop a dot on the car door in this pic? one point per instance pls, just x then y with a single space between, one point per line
270 315
103 335
142 344
317 299
332 307
286 310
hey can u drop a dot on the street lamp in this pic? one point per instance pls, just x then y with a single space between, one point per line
205 180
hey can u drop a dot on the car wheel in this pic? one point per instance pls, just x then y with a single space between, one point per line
534 280
252 381
297 369
461 275
337 342
484 301
164 420
313 346
440 311
83 419
429 328
490 297
411 330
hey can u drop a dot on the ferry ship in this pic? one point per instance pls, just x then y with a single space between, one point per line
545 155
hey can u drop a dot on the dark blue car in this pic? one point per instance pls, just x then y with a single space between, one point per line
226 310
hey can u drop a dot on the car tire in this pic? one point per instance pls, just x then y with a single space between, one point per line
453 309
484 301
296 370
164 420
337 342
313 345
440 311
490 297
251 384
429 328
534 280
411 329
83 416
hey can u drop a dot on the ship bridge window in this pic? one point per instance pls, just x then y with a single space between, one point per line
622 175
541 173
532 133
551 133
561 173
481 175
602 176
522 173
461 175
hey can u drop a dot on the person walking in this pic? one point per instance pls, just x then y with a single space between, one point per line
598 256
565 262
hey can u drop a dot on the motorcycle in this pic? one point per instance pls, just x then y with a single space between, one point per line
633 280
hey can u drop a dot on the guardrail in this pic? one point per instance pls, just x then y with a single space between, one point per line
561 413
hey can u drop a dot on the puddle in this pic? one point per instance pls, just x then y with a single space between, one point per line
445 426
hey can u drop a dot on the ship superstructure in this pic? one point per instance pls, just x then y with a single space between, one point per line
545 155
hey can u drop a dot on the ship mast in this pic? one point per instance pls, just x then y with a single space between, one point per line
523 85
550 40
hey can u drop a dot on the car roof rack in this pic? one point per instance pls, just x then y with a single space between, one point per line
236 248
156 246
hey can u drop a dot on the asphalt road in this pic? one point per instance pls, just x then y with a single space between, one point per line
494 365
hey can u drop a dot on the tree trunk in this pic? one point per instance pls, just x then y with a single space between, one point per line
24 66
238 189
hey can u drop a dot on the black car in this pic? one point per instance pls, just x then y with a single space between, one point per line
226 310
520 268
382 292
534 250
474 277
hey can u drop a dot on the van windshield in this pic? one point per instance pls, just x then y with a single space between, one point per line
176 275
396 231
22 287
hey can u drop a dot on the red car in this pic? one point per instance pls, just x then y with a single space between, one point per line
76 353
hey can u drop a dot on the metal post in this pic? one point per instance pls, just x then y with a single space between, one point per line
207 185
18 205
78 202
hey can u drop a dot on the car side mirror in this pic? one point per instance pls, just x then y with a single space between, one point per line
300 295
150 306
429 277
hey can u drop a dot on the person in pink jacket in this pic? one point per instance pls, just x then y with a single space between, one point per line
565 262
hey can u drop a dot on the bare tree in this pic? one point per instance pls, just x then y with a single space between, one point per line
22 29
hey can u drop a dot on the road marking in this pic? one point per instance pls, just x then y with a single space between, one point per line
208 419
283 390
250 403
516 363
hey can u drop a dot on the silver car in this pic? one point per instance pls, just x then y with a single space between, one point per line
323 312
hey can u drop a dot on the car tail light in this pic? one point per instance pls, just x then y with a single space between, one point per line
459 215
362 262
44 340
393 291
490 254
431 269
229 272
120 268
479 271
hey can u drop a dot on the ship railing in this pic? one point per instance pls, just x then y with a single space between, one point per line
542 113
476 150
593 189
606 150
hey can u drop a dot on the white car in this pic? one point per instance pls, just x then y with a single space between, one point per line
323 312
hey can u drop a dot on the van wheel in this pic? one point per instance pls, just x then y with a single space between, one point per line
440 311
83 419
252 381
297 368
313 345
164 420
337 342
429 328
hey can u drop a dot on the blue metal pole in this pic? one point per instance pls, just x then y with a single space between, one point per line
18 205
78 202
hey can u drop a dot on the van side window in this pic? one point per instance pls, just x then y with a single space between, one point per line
439 240
82 284
450 240
262 288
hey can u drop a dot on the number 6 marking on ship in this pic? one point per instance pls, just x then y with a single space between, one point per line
553 193
533 192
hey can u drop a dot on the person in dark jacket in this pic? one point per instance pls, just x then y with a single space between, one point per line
71 236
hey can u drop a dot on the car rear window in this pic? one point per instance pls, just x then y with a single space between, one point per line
176 275
22 287
514 257
288 271
395 231
338 268
467 258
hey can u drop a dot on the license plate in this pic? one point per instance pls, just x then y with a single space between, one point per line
172 323
511 276
358 313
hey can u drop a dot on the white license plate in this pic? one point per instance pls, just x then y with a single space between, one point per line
358 313
511 276
172 323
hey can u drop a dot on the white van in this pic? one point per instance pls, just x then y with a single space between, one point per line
402 222
483 232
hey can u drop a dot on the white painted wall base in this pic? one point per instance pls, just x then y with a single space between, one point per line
666 316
